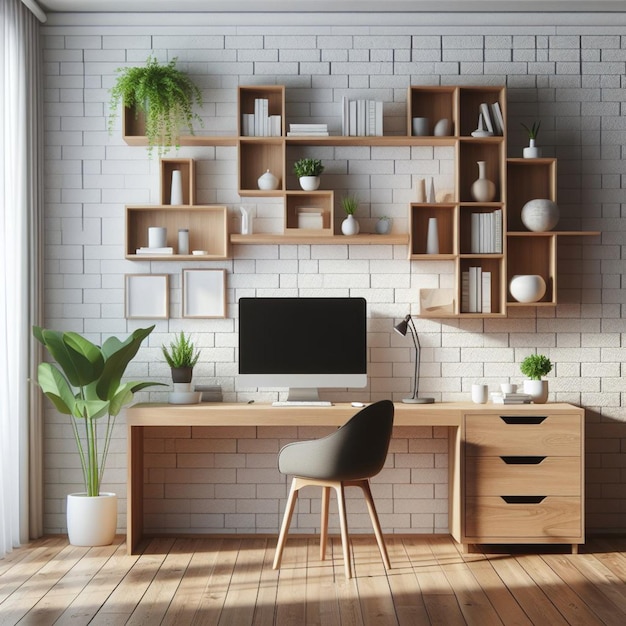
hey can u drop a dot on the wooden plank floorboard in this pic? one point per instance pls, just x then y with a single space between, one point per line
230 581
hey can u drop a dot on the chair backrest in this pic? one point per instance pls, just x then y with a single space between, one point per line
357 449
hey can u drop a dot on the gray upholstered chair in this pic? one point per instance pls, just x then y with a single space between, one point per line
350 456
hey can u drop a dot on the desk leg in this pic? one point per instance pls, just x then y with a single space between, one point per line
455 483
134 489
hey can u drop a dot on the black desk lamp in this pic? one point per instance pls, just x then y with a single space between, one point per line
401 328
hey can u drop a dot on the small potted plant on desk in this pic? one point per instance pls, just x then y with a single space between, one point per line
535 366
182 357
86 385
308 172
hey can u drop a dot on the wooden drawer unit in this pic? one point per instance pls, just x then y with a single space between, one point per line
523 478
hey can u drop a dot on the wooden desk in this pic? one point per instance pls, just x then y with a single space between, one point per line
561 422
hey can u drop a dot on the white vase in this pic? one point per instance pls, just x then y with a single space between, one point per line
267 181
527 287
538 389
540 215
483 189
176 191
309 183
383 226
91 520
442 128
432 236
350 226
532 152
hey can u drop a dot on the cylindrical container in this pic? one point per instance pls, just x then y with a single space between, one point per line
432 236
421 126
420 190
157 237
479 393
183 241
176 191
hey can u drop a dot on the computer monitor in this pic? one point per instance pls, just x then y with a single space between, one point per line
303 344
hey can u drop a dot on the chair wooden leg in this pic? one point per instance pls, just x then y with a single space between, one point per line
324 522
367 492
345 542
284 529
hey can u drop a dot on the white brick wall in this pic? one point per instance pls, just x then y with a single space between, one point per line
570 76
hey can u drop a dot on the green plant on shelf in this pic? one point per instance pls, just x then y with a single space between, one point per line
535 366
308 167
350 204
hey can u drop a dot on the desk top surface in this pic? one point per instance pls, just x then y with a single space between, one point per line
242 414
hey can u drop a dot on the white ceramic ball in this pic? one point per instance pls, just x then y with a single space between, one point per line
527 287
540 215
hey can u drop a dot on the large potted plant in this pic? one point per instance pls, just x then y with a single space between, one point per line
86 384
163 94
535 366
181 356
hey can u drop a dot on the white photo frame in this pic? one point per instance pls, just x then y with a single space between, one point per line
204 293
146 296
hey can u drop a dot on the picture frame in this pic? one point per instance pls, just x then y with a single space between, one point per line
204 293
146 296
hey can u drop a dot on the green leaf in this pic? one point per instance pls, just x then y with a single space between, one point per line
122 397
91 409
55 386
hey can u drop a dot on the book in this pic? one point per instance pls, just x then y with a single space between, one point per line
486 292
484 110
155 251
497 118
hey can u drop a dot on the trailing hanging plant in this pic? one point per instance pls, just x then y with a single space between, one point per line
87 384
164 94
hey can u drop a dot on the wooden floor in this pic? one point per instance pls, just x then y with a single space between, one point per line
230 581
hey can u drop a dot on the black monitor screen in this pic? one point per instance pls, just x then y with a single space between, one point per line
302 336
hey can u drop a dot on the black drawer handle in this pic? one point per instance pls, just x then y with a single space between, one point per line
523 419
523 460
523 499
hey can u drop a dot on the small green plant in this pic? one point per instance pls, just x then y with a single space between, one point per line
533 131
86 384
535 366
308 167
181 352
166 96
350 204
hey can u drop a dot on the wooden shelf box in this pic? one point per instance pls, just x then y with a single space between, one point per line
188 175
446 215
307 204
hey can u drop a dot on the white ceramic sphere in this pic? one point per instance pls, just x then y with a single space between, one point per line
540 215
268 181
527 287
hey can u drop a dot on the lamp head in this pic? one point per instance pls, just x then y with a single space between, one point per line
403 326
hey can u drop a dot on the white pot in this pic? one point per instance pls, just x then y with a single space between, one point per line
540 215
532 152
527 287
538 389
309 183
91 520
350 226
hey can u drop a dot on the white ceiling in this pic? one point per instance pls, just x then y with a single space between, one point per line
314 6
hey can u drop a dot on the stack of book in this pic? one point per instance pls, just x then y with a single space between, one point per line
361 118
511 398
308 130
261 123
486 232
476 291
155 251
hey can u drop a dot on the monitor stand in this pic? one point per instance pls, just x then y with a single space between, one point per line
303 394
418 400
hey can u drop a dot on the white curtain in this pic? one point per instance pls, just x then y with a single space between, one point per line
21 188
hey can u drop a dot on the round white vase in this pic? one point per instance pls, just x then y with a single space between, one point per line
309 183
350 226
91 520
538 389
540 215
527 287
483 189
267 181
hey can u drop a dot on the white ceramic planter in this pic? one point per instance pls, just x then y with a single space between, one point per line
538 389
350 226
91 520
268 181
309 183
532 152
527 287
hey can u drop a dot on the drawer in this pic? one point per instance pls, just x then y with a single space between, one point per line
540 434
551 517
495 476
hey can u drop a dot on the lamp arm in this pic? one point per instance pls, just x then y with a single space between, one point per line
416 343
